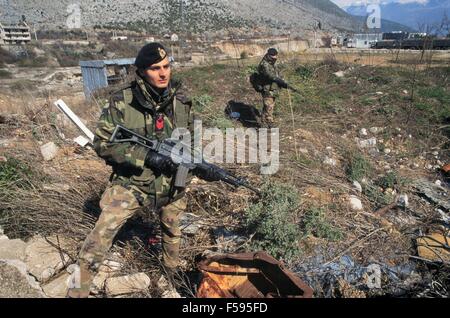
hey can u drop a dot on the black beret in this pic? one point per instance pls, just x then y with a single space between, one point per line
150 54
272 51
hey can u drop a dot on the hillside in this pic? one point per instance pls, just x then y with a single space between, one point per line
198 15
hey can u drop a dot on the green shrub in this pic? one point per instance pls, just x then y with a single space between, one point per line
391 180
315 223
15 172
202 102
33 62
304 72
358 167
376 196
24 84
222 123
5 74
273 220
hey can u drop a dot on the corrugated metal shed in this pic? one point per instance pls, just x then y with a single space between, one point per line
95 74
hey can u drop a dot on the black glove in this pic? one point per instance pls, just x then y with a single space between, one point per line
207 174
159 162
281 83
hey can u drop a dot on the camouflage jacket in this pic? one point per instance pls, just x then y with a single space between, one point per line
134 108
268 73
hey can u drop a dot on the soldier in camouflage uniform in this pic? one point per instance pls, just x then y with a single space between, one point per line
153 107
271 82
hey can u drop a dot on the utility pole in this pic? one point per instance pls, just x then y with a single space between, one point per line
181 36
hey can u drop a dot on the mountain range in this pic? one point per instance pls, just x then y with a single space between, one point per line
421 15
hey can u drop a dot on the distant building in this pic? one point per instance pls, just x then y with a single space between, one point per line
116 37
365 40
416 35
119 38
15 34
102 73
395 35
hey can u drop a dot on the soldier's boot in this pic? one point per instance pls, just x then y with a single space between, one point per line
118 205
85 282
171 236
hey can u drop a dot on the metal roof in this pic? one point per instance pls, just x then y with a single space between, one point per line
103 63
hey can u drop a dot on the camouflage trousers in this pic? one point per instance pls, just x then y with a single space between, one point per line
268 106
118 205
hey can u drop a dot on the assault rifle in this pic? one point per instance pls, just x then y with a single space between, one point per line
173 148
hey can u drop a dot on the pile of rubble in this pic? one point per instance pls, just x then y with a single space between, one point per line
39 268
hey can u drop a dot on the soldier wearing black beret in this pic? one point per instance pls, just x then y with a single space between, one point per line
152 107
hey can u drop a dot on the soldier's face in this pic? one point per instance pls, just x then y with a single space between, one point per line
158 75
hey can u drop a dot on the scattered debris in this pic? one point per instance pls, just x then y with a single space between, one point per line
433 193
324 276
58 287
357 186
82 141
330 161
127 284
107 270
339 74
228 241
446 169
170 294
15 281
367 143
375 130
363 132
12 249
346 290
403 200
355 203
74 118
434 247
244 275
166 290
49 151
43 259
190 223
303 151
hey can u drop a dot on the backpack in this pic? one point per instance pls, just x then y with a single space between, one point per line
255 80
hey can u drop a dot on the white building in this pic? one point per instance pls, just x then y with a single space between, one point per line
364 40
15 34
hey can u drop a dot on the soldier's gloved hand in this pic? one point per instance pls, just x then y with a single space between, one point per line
207 174
159 162
281 83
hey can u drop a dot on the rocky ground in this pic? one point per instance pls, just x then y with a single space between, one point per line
361 190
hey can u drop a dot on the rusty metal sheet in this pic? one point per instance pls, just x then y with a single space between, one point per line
249 275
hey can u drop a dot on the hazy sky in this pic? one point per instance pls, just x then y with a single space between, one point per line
343 3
